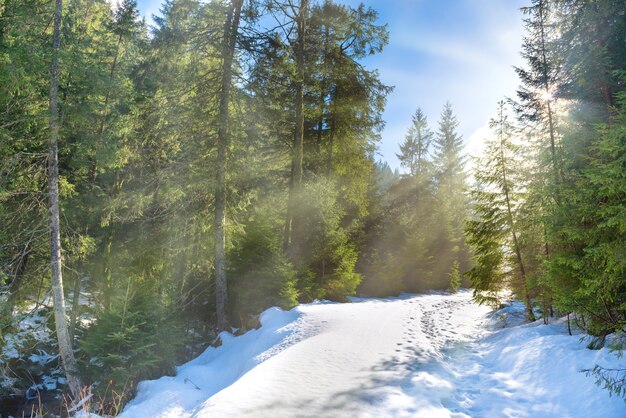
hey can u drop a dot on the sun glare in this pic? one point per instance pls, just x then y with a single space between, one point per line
546 95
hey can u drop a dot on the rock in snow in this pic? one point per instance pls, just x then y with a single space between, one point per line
435 355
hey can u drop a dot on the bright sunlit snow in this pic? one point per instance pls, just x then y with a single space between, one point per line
434 355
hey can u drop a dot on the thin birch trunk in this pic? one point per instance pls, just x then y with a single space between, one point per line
63 336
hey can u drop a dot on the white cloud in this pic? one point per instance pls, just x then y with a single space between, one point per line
475 144
454 50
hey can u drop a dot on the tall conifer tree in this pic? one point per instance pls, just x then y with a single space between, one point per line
231 31
450 184
494 234
414 151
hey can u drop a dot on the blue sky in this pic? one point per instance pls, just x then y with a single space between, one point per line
462 51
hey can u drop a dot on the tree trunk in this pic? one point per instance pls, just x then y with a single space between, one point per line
75 306
293 223
107 275
63 337
289 215
323 89
231 28
518 252
420 146
93 169
547 87
106 269
331 136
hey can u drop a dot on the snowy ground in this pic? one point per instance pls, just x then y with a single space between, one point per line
432 355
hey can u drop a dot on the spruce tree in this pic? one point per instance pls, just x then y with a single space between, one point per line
455 277
415 148
587 271
293 222
494 234
540 78
230 38
450 185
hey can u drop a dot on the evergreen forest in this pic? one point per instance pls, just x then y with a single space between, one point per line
163 182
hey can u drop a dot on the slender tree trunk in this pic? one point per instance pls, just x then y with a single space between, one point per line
116 185
231 28
93 170
518 252
181 268
105 110
106 268
420 146
63 337
324 92
331 136
108 244
289 215
569 327
293 222
547 89
75 307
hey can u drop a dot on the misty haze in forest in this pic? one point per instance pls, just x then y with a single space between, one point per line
166 179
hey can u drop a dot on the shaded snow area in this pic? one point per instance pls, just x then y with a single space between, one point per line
25 350
435 355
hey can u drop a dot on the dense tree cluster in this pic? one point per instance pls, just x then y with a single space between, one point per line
550 219
209 167
414 238
160 185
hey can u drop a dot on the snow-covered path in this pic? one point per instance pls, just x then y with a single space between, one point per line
359 359
420 355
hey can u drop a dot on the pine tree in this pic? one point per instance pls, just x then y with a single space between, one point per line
293 226
415 148
24 119
343 102
592 65
450 184
448 153
540 79
494 233
587 271
455 277
231 30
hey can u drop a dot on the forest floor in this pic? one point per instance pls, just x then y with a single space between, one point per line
434 355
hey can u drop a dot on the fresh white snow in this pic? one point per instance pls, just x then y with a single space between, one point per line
435 355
